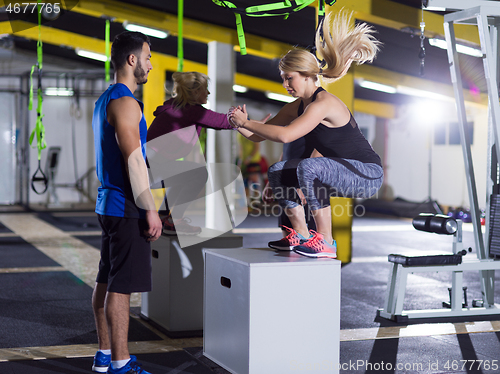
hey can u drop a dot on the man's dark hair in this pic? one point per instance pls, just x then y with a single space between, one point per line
125 44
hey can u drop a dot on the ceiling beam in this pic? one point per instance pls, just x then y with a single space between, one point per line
67 39
380 12
376 108
194 30
398 16
383 12
417 85
167 62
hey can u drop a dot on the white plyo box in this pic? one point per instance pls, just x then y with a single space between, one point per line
176 300
269 312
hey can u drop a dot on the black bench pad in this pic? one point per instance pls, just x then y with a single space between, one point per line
450 259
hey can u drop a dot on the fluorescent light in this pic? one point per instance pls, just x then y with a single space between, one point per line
58 91
466 50
92 55
469 50
145 30
377 86
423 93
240 89
279 97
436 8
403 90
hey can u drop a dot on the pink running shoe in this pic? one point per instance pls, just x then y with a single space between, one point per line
316 246
289 241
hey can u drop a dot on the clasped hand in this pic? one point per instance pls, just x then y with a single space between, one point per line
237 116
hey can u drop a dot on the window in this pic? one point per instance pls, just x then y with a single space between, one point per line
449 133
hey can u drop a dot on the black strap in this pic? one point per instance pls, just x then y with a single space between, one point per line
39 178
301 104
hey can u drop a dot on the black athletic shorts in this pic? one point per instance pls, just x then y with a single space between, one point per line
125 255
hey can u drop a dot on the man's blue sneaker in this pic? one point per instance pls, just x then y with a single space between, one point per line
132 367
101 362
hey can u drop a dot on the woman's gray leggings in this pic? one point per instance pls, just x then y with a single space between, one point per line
321 178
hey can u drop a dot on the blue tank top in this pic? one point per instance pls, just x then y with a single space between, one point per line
114 196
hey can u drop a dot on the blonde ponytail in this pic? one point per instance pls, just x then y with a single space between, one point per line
341 44
187 87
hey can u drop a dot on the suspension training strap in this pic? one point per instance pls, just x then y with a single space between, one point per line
180 44
241 34
239 23
319 28
107 64
321 16
39 130
283 8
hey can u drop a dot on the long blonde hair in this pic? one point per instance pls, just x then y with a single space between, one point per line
187 86
339 45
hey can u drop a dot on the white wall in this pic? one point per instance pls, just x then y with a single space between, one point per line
60 120
410 146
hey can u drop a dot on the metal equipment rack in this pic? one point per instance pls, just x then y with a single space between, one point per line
486 15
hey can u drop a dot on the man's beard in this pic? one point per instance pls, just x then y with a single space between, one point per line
140 75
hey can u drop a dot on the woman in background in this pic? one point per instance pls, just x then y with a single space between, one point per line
184 111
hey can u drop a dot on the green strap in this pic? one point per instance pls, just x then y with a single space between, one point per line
239 24
268 7
107 64
288 7
180 44
39 129
30 104
321 9
39 52
321 17
241 34
262 10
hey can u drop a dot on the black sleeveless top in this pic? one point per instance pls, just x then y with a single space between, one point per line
340 142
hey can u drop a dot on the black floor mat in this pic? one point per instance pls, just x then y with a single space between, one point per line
4 229
72 223
93 240
197 353
51 308
16 252
178 362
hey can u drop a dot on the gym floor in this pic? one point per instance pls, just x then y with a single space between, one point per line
48 263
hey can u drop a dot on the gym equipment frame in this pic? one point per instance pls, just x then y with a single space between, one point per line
486 15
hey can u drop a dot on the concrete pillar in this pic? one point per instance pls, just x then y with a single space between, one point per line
220 144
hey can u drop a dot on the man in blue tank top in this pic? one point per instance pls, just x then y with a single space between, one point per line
125 206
